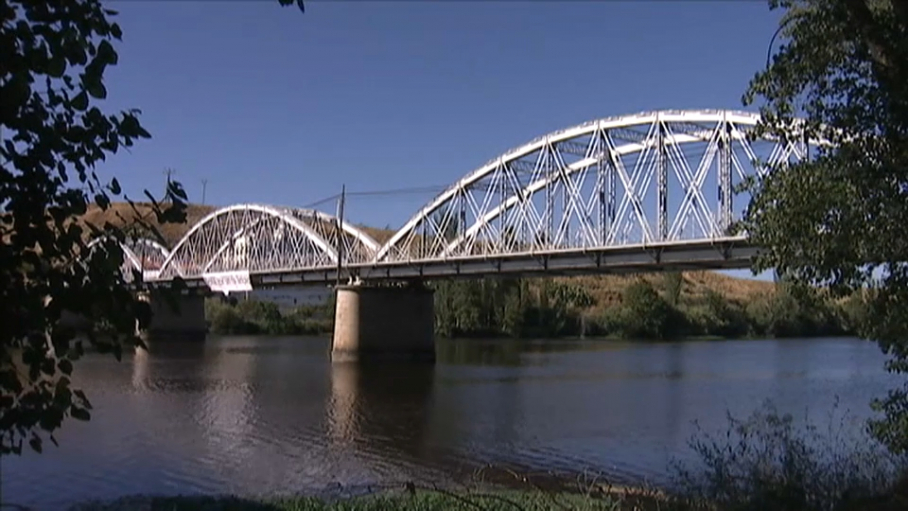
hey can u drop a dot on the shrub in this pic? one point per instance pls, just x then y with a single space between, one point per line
767 461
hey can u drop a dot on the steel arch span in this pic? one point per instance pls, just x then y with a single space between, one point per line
141 254
257 238
653 177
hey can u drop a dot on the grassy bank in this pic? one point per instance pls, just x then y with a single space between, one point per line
400 500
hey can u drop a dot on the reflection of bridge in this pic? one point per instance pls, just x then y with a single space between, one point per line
618 194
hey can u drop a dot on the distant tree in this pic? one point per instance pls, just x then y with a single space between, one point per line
53 55
838 219
674 283
644 314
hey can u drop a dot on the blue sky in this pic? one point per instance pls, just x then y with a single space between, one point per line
275 106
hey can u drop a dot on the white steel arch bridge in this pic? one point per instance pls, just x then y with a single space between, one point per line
640 192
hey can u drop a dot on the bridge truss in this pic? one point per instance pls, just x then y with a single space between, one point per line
653 190
643 179
260 239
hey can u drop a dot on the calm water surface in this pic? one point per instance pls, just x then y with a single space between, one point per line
273 415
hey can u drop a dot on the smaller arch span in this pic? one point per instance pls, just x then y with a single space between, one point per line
142 254
261 238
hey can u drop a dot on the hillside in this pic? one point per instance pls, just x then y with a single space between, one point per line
122 214
606 289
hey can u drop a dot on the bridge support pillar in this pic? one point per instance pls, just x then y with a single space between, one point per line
185 322
384 323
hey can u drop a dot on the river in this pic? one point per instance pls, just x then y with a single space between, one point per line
250 415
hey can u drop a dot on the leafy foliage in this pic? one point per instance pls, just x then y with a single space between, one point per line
838 220
544 307
53 56
644 314
52 61
511 307
251 317
771 461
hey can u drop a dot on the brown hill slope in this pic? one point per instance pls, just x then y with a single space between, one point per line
122 214
606 289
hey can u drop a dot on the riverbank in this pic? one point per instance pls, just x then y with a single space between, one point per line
396 500
596 498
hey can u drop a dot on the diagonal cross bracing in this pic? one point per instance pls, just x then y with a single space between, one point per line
653 172
260 239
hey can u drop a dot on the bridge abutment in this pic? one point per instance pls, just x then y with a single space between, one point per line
185 322
372 322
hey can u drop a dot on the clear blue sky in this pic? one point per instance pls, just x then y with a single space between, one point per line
275 106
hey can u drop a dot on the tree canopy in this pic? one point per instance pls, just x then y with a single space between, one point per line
838 219
53 132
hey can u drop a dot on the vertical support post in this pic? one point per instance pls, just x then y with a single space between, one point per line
463 216
610 188
725 192
600 189
340 232
549 204
502 242
806 141
662 183
564 207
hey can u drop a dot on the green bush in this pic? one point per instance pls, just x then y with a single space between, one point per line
508 307
644 314
768 461
252 317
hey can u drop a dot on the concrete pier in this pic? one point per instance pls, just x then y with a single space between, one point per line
186 322
372 322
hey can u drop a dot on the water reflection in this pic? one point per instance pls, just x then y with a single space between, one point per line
263 415
388 404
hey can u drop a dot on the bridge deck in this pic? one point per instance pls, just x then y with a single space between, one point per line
728 253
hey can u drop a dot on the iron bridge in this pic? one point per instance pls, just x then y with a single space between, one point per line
645 192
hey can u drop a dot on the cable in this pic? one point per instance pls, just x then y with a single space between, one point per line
367 193
401 191
312 205
379 193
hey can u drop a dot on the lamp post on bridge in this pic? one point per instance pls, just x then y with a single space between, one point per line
340 231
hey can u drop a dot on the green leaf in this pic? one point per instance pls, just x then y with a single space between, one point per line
96 89
80 101
107 52
81 395
115 186
79 414
48 367
102 201
56 66
65 366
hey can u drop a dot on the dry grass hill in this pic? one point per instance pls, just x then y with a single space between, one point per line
606 289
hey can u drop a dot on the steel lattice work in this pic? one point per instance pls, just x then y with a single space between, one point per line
141 254
261 239
653 177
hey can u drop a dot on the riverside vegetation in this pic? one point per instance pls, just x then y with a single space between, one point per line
654 307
